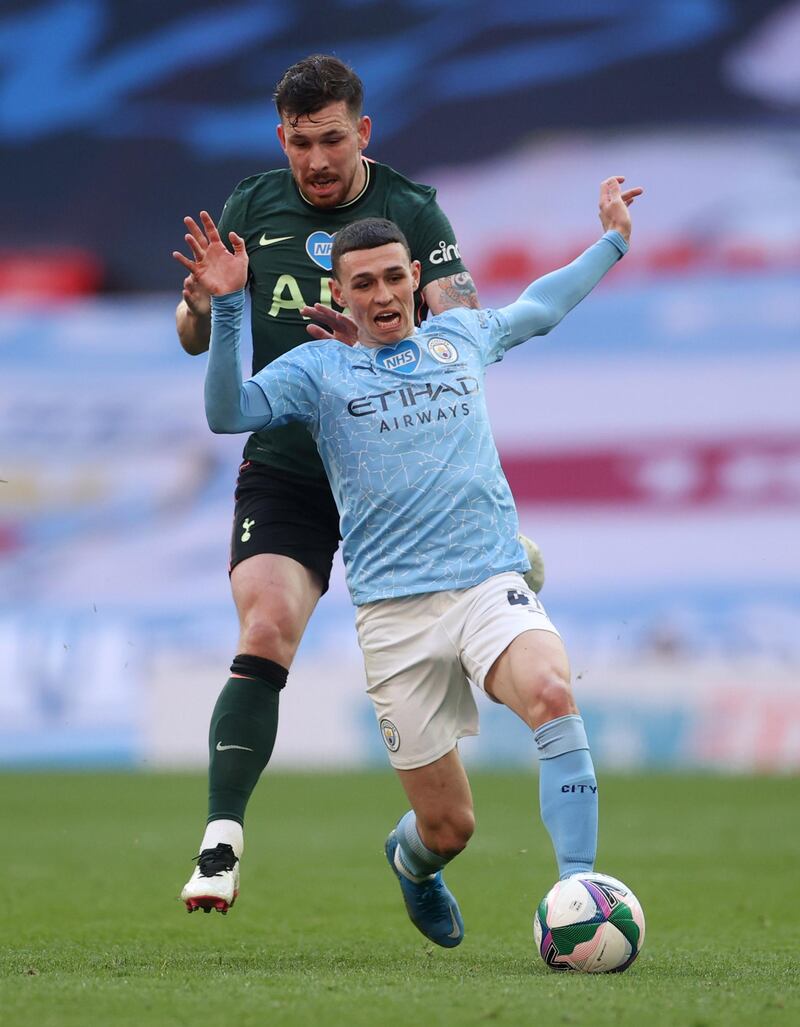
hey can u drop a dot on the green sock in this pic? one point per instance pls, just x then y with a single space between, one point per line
240 741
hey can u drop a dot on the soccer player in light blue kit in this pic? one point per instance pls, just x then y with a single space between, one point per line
429 527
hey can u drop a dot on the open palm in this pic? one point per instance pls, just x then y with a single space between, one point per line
214 266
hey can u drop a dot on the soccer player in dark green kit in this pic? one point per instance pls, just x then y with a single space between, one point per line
286 528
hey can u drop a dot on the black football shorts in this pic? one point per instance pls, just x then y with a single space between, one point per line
279 512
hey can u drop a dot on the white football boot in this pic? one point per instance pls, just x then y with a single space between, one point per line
215 881
534 579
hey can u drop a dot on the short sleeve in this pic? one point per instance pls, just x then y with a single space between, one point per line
232 218
433 243
291 387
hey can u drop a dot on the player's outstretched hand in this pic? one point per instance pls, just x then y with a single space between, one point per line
614 203
334 325
214 267
195 297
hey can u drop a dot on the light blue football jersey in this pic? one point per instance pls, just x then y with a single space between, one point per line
405 438
403 432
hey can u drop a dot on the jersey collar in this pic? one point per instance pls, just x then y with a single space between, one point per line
358 345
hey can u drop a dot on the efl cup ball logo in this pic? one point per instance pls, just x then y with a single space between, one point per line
443 350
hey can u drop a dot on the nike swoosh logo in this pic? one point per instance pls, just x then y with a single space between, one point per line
456 932
222 748
264 241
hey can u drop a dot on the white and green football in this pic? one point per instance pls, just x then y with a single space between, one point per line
591 923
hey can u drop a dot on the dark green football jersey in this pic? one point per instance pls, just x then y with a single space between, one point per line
288 242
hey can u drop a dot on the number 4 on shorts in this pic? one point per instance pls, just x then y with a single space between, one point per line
516 598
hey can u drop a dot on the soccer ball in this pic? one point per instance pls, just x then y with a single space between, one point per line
591 923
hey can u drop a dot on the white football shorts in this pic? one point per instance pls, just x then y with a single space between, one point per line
421 652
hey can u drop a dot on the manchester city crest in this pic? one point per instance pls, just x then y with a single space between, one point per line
442 350
390 735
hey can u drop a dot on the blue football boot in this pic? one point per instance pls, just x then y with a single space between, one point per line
432 908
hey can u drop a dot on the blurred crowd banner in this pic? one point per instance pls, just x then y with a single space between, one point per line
652 441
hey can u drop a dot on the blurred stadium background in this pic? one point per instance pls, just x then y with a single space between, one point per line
653 442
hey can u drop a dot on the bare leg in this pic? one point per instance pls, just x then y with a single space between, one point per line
532 678
435 830
442 801
275 597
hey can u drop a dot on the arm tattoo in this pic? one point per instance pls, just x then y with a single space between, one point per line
456 291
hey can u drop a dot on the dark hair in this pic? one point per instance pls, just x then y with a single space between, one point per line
366 234
313 83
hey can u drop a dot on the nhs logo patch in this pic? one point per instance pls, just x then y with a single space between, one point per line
403 358
318 247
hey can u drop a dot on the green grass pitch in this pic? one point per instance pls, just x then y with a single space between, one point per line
92 932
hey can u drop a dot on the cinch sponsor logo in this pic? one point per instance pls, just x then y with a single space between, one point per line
411 396
444 252
318 247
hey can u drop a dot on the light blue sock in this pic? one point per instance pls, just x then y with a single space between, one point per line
568 793
415 857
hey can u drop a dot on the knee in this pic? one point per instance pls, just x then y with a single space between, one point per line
271 634
551 697
449 833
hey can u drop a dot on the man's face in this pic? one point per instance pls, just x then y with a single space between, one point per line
378 286
324 153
